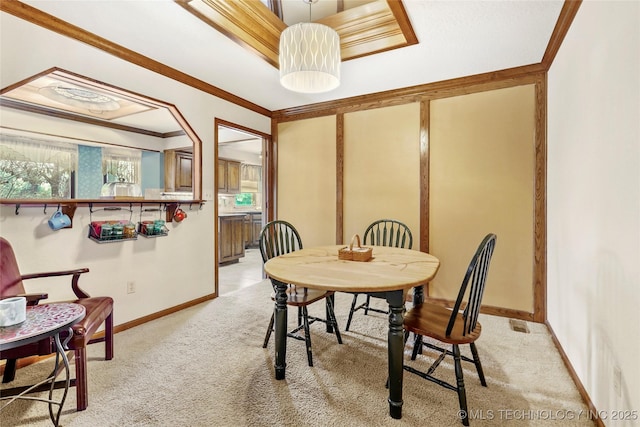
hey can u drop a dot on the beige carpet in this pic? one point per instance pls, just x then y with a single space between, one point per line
205 366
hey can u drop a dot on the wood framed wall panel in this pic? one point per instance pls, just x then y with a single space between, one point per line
382 167
306 179
482 180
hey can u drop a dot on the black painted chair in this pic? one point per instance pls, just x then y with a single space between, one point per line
453 326
383 232
278 238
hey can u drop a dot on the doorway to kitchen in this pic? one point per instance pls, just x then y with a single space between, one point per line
241 211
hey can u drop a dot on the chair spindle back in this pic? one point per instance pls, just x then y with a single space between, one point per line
277 238
477 275
388 232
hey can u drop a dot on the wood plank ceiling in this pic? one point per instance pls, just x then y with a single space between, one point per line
369 28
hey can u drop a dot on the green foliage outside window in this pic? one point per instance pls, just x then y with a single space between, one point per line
244 199
32 180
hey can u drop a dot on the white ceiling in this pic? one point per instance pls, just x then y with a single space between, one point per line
456 39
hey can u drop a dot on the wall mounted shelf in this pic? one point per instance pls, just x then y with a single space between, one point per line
69 206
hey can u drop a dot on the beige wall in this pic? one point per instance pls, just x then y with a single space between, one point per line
306 181
481 181
382 168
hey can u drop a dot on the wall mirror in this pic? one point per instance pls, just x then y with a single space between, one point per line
67 137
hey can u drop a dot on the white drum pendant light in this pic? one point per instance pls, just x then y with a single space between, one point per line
309 58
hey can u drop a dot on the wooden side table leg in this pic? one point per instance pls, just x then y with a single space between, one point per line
60 354
280 315
395 349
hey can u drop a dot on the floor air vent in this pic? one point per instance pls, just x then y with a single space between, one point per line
519 326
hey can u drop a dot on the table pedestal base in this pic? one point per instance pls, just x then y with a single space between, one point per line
280 318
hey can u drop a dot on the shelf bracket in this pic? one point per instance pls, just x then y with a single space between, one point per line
17 208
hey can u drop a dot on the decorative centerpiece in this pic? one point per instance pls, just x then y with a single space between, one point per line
358 253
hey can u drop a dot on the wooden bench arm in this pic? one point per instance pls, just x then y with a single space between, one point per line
74 281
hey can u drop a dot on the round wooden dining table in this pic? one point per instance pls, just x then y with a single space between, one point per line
388 274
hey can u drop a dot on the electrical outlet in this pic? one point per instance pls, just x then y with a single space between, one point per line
617 381
131 287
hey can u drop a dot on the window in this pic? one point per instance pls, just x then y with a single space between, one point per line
36 169
244 199
121 165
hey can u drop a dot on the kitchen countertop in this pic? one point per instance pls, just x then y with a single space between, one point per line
238 213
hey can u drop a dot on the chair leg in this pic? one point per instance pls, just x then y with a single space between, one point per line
333 321
366 307
330 300
9 371
417 346
476 361
108 337
268 335
462 395
353 308
307 335
82 392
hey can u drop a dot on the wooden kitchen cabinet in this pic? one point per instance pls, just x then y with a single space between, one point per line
228 176
252 228
178 170
230 238
256 227
184 166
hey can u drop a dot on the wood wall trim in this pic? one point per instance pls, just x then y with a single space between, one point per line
216 222
567 14
576 380
425 117
50 112
272 173
51 23
486 309
57 72
339 179
161 313
442 89
226 123
540 203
